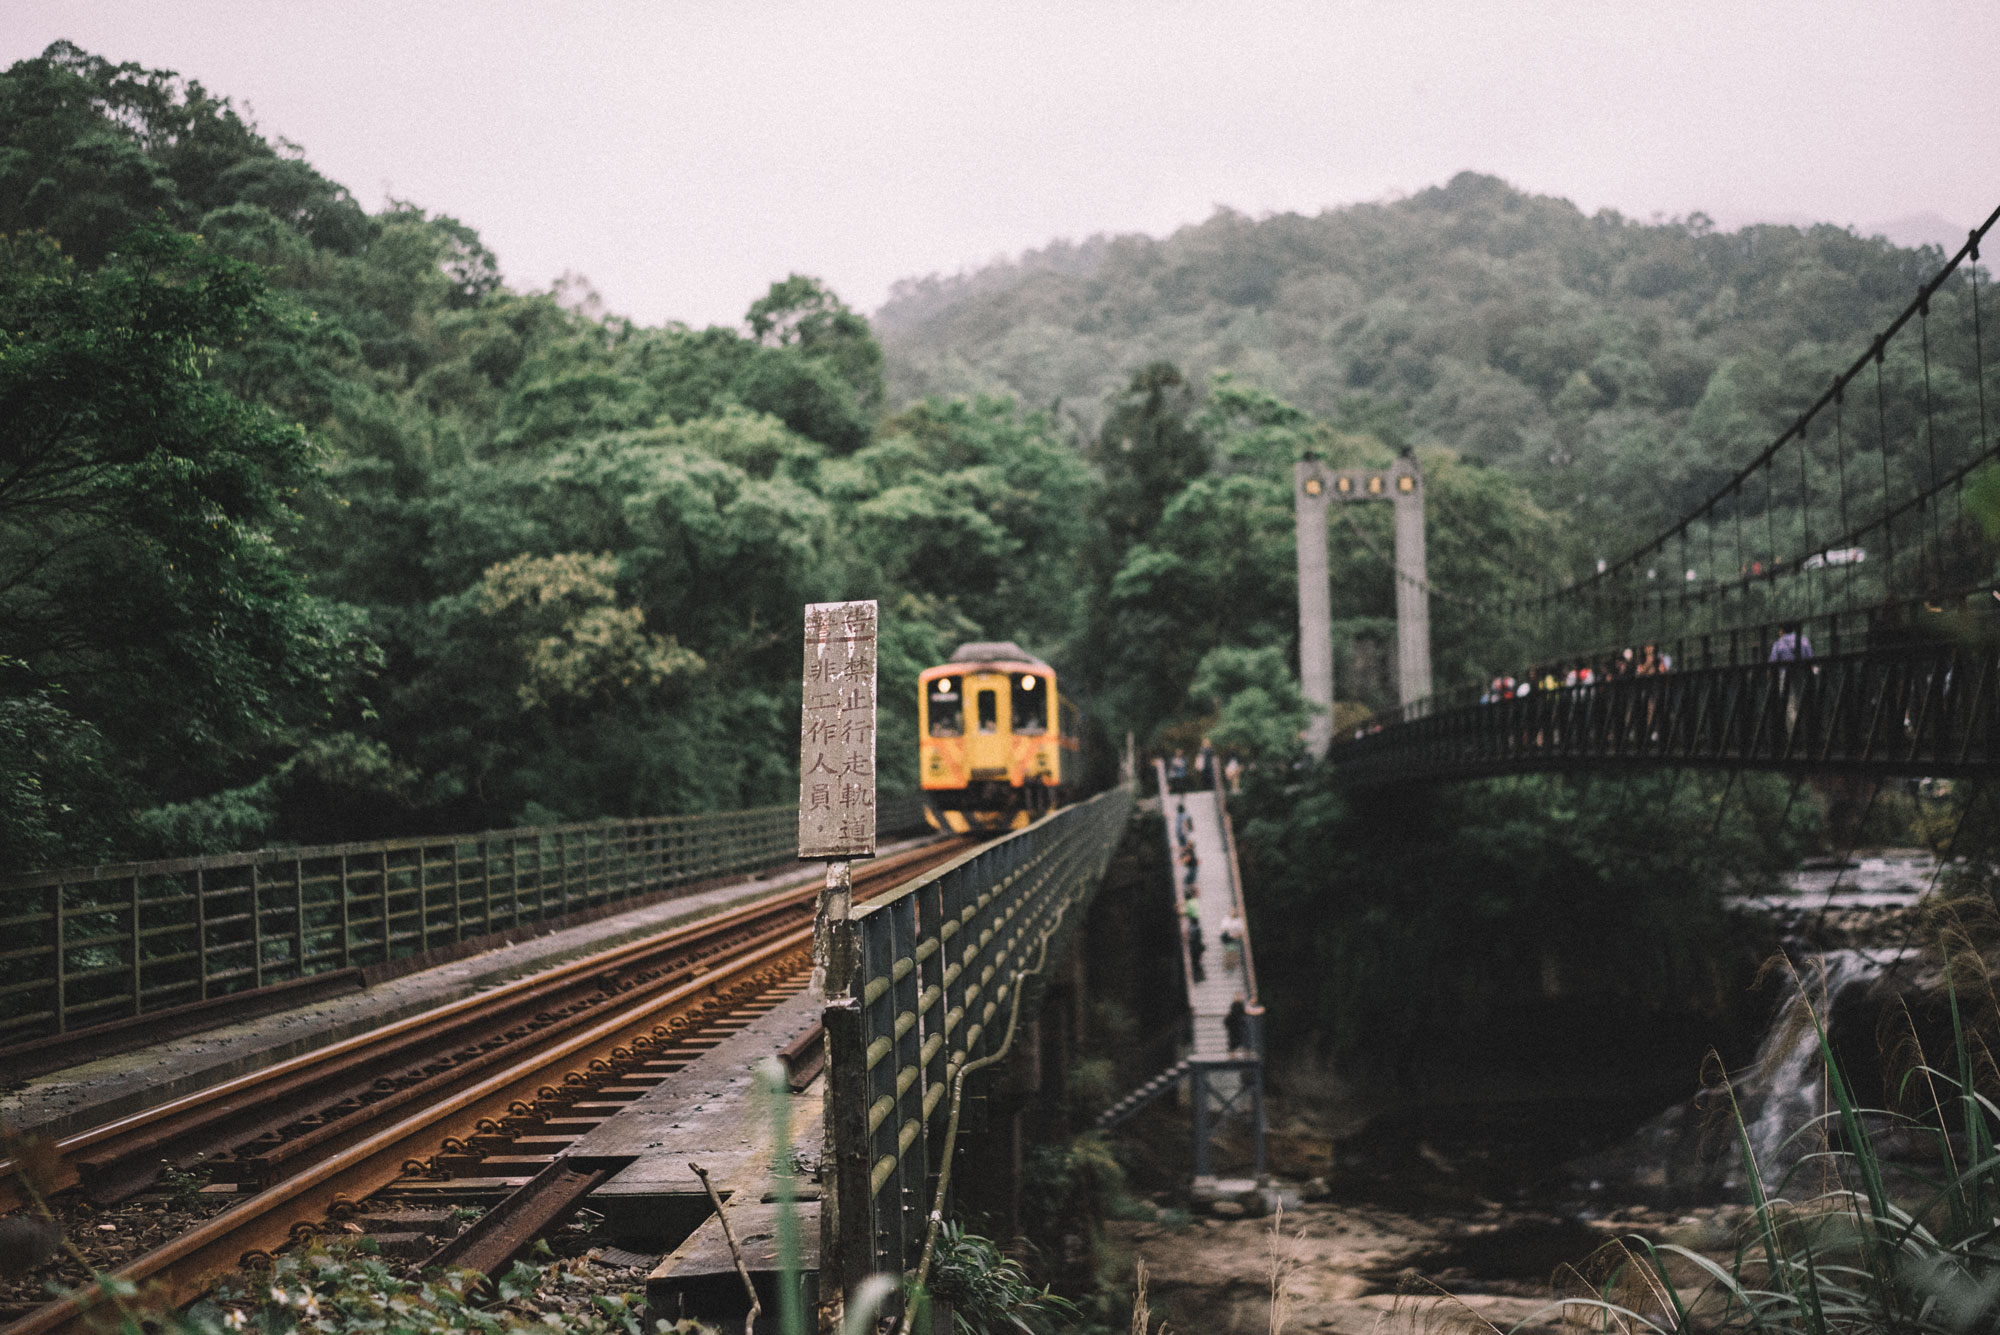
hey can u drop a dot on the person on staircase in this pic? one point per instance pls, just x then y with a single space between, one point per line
1236 1026
1231 932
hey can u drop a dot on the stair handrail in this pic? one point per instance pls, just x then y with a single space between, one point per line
1173 891
1236 887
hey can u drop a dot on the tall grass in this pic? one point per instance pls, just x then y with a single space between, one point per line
1849 1237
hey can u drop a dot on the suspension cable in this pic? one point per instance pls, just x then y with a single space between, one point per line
1792 432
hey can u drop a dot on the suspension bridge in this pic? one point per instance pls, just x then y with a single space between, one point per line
1830 608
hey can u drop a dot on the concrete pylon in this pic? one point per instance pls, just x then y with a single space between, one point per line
1314 487
1310 493
1413 588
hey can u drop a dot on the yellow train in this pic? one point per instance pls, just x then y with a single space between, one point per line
995 751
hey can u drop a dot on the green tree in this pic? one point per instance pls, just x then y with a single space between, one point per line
803 313
1255 698
1148 449
144 600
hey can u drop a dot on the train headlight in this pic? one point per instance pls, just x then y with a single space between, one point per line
1027 683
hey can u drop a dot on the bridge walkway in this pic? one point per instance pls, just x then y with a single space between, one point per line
1225 1080
1225 973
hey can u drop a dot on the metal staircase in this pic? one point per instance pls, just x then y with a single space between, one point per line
1128 1107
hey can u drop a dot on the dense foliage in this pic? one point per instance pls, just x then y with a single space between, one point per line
1621 368
314 529
1567 926
345 537
419 551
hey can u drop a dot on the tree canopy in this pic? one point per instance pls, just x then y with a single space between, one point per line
313 527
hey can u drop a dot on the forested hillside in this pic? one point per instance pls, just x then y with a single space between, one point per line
1617 366
312 528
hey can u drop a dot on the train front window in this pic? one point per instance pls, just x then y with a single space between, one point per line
989 711
947 708
1031 704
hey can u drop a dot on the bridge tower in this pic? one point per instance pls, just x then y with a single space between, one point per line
1315 486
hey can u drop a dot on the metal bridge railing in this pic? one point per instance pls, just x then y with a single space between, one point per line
937 977
91 944
1929 710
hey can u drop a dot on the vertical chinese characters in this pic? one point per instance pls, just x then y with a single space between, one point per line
837 732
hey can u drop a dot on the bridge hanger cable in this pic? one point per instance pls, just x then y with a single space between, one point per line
1930 443
1785 567
1733 489
1397 571
1458 521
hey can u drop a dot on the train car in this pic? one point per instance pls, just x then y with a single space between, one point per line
995 749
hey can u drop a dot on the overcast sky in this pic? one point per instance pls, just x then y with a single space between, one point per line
682 156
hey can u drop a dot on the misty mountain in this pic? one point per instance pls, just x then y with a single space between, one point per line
1599 356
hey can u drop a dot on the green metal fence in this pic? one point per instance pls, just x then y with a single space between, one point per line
91 944
936 971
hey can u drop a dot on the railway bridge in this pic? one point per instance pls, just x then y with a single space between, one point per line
615 1016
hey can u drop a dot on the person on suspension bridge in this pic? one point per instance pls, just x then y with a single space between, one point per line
1791 646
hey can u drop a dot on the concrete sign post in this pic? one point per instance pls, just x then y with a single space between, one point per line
837 764
1315 487
837 733
836 823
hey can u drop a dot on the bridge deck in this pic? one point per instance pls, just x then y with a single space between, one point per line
1199 820
69 1099
1224 978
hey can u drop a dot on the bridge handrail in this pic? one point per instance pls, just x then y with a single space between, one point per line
84 945
1927 709
1236 890
1173 892
938 971
1893 625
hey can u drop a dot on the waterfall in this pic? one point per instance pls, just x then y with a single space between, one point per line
1785 1088
1683 1154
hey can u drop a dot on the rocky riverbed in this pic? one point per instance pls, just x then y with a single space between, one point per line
1388 1222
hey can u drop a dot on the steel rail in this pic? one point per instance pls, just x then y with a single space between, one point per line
152 1130
268 1221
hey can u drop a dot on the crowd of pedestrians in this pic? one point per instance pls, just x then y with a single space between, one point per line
1650 660
1200 776
1646 661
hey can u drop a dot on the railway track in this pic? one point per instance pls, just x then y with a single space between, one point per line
477 1096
